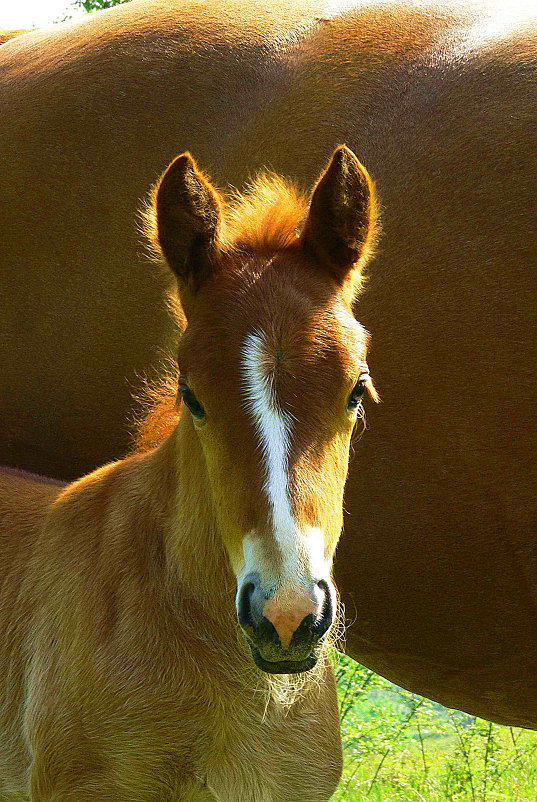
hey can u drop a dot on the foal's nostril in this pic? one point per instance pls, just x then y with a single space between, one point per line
244 605
325 619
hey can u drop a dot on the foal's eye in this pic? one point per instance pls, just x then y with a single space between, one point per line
191 401
355 398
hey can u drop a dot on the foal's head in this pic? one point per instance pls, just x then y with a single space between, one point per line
272 370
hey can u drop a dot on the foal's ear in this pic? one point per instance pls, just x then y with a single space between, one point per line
187 222
341 219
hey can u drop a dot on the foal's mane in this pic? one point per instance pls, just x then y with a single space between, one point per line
158 411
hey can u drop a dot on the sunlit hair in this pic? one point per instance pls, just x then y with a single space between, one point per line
160 411
267 216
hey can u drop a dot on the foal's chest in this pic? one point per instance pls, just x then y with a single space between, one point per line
198 741
264 757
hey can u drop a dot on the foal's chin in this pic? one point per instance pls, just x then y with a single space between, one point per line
283 666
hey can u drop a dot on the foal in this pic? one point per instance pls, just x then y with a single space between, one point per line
126 675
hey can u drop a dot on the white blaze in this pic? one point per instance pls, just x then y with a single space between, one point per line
274 427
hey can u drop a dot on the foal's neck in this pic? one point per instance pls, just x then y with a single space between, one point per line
196 557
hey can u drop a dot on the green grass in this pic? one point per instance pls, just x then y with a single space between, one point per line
400 746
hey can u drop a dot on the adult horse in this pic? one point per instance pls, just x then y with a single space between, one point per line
437 565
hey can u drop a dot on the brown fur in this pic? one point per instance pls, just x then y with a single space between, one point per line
138 686
436 566
125 673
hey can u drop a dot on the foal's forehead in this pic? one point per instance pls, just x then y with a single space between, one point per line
292 319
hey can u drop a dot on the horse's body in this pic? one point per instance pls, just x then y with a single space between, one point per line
437 565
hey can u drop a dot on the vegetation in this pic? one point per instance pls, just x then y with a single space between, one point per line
96 5
399 746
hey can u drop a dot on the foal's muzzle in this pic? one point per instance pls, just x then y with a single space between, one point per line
284 629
